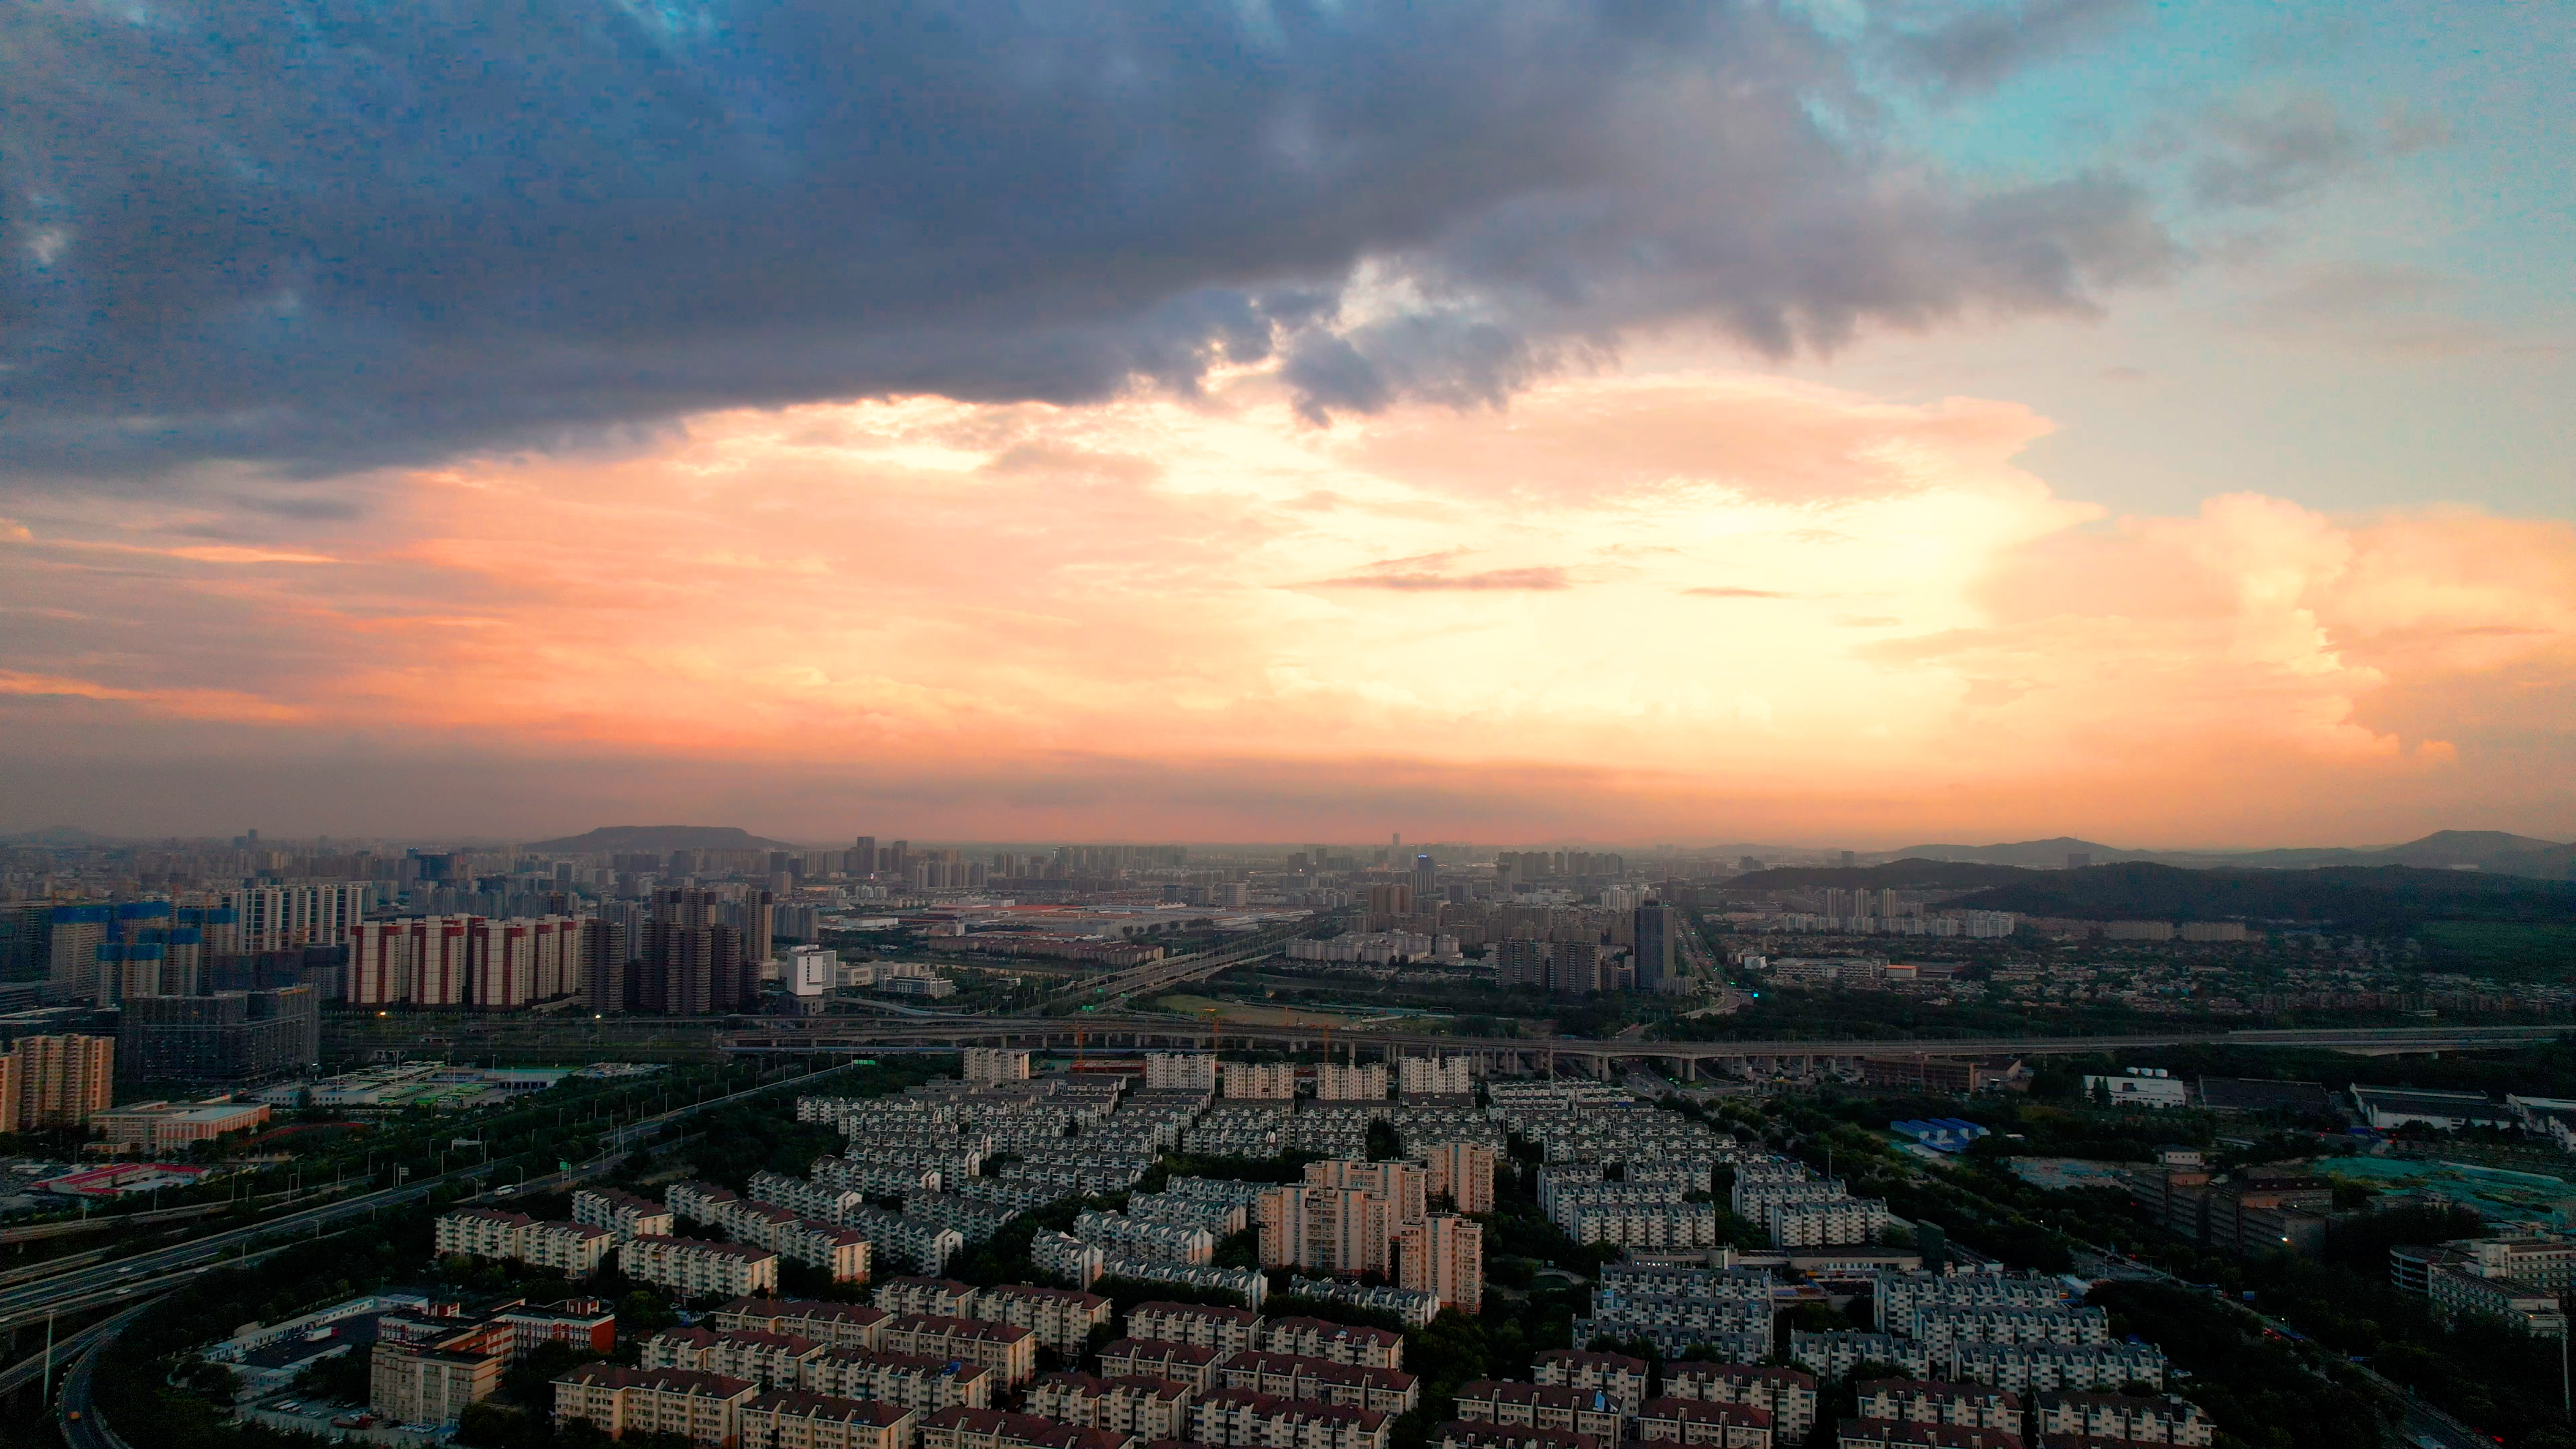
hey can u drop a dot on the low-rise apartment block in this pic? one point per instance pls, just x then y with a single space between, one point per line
1702 1421
1461 1434
1147 1358
1898 1434
622 1213
923 1384
1232 1417
1293 1376
1940 1401
702 1407
2137 1418
793 1419
2029 1368
1786 1394
1834 1355
772 1360
1338 1342
1150 1409
1542 1406
1011 1353
1616 1376
694 1269
834 1325
963 1428
1224 1330
573 1249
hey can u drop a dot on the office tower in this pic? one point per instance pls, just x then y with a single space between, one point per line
228 1037
1444 1255
63 1079
1655 947
863 856
1426 878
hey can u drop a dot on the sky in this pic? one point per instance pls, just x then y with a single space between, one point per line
1834 423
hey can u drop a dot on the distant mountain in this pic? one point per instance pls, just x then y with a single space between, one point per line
2029 854
2346 895
613 838
1911 874
2486 850
58 835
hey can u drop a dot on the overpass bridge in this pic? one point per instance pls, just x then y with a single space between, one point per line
1523 1056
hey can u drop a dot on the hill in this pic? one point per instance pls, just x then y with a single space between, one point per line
2487 850
2031 854
612 838
1910 874
2351 896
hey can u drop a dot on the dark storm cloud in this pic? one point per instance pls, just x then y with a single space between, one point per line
318 237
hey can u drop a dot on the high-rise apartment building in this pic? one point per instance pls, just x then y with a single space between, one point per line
490 965
693 962
1573 967
276 917
1462 1172
1520 962
1180 1071
1336 1083
1267 1082
1327 1229
230 1037
1656 947
63 1079
862 859
72 945
987 1066
1444 1255
1426 879
1444 1076
1406 1186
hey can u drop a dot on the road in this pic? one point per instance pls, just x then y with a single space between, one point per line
1117 986
82 1428
2420 1423
1102 1029
86 1283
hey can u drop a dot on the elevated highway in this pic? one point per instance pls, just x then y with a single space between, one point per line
1513 1056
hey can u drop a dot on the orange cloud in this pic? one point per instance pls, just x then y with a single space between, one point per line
1488 617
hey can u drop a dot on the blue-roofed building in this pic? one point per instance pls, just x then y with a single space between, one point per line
1941 1134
